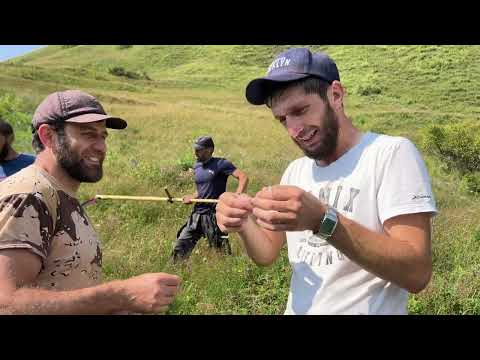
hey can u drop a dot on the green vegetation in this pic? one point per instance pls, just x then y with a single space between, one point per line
17 112
458 146
426 93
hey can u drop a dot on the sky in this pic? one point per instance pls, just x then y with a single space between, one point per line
10 51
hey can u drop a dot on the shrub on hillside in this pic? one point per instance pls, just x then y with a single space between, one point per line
122 72
145 76
476 235
186 161
28 73
367 90
457 145
122 47
18 112
11 110
471 183
68 46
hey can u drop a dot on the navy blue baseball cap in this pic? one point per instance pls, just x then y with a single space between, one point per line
203 142
290 65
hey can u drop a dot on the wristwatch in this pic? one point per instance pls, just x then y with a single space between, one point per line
328 224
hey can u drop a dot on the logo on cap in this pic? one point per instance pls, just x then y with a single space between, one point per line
278 63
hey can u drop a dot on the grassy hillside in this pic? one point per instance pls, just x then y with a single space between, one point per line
184 91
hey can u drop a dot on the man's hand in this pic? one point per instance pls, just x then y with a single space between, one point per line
187 199
19 268
232 211
287 208
151 293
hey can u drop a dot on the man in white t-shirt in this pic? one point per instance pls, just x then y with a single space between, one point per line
355 211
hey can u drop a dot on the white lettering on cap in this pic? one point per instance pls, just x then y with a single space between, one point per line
278 63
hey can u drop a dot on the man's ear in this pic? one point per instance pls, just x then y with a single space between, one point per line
46 135
335 95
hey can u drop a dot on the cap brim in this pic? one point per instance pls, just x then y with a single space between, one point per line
110 122
259 89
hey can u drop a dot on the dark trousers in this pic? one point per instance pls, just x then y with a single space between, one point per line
199 225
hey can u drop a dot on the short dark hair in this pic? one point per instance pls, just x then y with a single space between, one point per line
58 127
5 128
310 84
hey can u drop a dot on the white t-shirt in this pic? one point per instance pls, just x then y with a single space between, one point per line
379 178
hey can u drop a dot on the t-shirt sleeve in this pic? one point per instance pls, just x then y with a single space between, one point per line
226 167
405 184
285 180
26 223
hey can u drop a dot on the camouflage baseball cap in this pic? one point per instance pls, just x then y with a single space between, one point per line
73 106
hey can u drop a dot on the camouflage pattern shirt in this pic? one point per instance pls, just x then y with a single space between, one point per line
39 215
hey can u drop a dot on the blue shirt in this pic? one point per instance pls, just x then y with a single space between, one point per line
211 180
13 166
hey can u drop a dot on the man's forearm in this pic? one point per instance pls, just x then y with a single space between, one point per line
392 259
259 247
107 298
242 185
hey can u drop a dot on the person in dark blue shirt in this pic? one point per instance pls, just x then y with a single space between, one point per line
10 161
211 175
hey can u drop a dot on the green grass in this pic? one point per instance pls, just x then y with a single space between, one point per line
196 90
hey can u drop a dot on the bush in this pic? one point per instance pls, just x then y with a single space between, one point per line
367 90
458 145
145 76
68 46
16 111
11 110
122 47
471 183
29 73
186 161
476 235
121 71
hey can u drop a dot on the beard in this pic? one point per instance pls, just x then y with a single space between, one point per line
74 165
328 143
4 152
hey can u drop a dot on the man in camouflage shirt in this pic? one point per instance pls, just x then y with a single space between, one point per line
50 255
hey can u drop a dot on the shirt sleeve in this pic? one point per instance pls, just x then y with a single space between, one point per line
227 168
285 180
404 184
26 223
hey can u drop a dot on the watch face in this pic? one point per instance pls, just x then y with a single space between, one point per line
328 226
